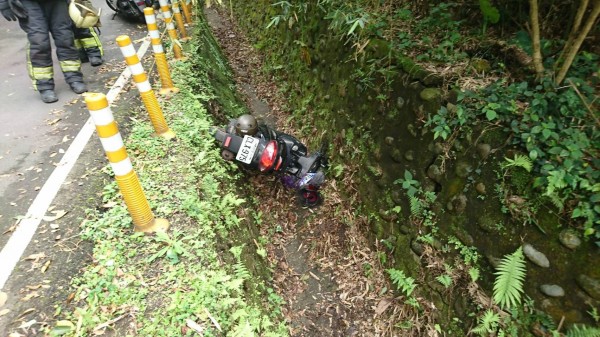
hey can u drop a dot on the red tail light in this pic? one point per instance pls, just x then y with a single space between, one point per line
267 159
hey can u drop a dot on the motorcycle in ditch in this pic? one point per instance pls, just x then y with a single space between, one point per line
258 147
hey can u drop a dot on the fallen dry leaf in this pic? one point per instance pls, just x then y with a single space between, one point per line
57 215
382 306
45 267
214 321
36 257
4 312
194 326
28 324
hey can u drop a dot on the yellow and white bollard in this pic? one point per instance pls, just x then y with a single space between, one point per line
141 80
179 20
127 179
164 7
187 11
162 67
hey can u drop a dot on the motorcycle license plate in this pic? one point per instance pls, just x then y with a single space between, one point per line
247 149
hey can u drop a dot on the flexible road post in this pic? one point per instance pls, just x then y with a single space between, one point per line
127 179
164 7
179 20
162 67
187 11
141 80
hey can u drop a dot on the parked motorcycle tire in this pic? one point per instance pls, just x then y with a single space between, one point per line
309 198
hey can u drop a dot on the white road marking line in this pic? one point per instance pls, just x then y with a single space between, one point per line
19 240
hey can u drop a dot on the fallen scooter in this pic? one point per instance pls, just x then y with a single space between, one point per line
258 147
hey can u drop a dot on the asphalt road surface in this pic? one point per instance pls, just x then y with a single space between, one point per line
34 137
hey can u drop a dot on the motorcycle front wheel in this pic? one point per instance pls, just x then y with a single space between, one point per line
309 198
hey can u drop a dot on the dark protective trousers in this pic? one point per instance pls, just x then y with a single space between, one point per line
87 43
45 18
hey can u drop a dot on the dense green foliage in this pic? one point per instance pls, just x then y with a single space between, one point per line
556 129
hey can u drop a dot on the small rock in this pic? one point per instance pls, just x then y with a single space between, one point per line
428 185
535 256
409 155
483 150
434 173
417 247
399 102
389 140
405 229
590 285
430 94
552 290
569 239
396 155
480 188
459 203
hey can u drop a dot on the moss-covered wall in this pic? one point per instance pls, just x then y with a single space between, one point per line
370 119
372 106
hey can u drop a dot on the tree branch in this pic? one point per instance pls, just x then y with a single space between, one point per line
572 52
535 39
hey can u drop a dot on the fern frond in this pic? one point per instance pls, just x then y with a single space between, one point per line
241 271
416 208
444 280
404 283
474 273
557 201
519 161
510 274
488 323
583 331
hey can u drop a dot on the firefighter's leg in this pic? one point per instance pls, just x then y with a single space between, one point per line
80 51
93 47
39 51
62 33
87 42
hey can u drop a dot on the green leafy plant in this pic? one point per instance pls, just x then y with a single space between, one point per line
404 283
490 13
445 280
474 273
510 274
583 331
173 247
518 161
487 324
411 185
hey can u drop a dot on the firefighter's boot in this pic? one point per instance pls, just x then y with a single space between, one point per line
48 96
78 87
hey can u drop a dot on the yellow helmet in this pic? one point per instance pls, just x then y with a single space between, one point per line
83 14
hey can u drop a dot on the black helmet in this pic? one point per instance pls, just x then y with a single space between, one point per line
246 125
